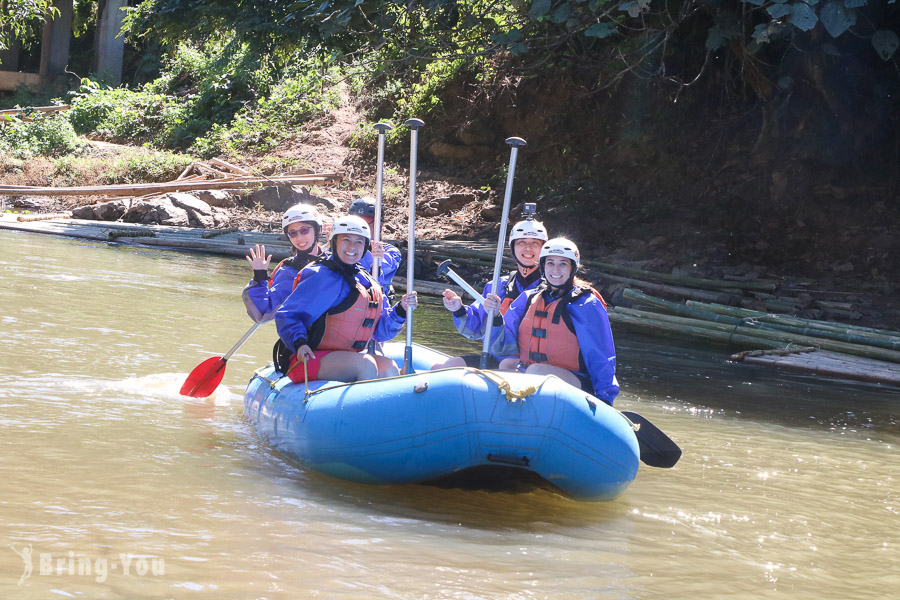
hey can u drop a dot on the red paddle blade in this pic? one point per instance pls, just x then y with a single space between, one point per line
205 378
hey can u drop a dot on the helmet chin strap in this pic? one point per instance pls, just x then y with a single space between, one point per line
524 266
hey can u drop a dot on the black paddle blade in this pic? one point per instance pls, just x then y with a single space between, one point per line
205 378
657 449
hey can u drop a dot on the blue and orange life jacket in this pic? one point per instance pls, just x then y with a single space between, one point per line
546 332
350 324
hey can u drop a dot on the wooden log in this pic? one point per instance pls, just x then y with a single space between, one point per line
833 365
184 173
161 188
228 166
213 172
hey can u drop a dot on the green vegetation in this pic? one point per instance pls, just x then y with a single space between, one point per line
42 136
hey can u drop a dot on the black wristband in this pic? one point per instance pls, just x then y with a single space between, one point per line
400 311
460 312
260 274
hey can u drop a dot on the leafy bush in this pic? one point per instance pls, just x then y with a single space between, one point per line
301 94
43 136
123 115
123 165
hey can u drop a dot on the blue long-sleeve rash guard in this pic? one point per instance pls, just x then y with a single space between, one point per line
262 299
389 265
595 340
319 290
469 318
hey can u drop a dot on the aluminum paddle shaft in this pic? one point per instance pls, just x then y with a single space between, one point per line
515 143
382 128
414 126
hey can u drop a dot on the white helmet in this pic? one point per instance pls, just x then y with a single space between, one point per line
563 248
351 224
301 212
528 230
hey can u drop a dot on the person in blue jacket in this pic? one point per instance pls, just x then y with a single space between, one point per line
336 308
525 242
559 328
302 224
389 255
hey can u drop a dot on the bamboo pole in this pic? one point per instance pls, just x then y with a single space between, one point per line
778 336
801 328
648 324
34 109
796 321
43 217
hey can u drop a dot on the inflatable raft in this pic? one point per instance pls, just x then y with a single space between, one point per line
432 425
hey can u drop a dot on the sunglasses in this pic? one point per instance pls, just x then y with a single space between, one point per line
292 233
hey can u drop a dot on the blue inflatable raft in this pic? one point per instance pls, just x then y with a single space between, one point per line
433 425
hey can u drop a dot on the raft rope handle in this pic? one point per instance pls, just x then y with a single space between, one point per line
272 382
305 380
504 386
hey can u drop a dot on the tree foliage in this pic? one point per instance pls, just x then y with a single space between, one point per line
18 17
625 36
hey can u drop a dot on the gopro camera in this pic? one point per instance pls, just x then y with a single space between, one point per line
529 210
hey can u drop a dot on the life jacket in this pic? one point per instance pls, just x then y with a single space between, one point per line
510 294
351 324
546 332
293 261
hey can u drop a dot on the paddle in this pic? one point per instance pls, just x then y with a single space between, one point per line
206 377
657 449
514 142
414 125
379 177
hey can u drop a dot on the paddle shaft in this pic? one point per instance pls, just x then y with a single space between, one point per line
243 339
464 285
514 143
379 178
414 125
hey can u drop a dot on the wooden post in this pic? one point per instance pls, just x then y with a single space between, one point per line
55 43
109 46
